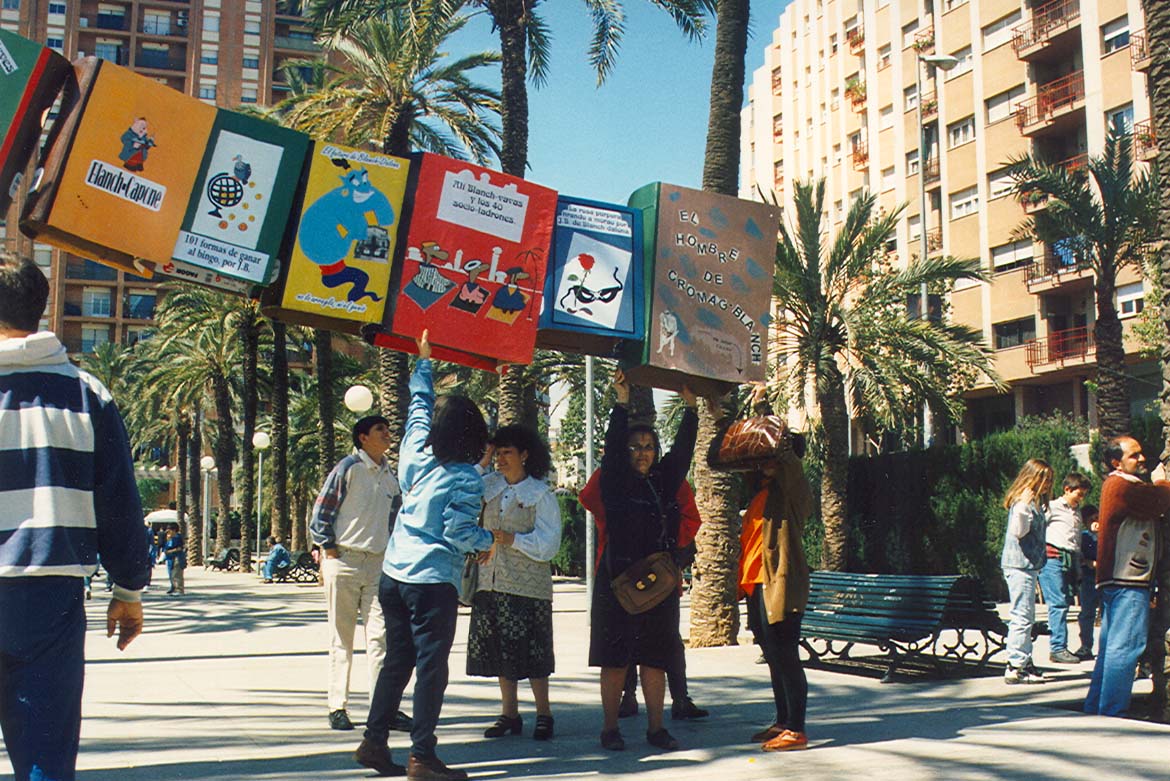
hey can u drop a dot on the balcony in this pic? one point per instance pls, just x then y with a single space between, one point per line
860 156
301 43
855 93
777 83
1145 143
1055 269
163 27
924 41
159 59
90 271
1139 50
1033 201
929 106
1052 103
856 39
1051 24
105 22
931 172
934 240
1060 348
1074 163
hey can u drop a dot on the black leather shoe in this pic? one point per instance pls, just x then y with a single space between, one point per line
339 720
544 728
662 739
686 709
432 769
612 740
401 722
503 726
377 757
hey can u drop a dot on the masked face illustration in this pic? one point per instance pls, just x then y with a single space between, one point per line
591 289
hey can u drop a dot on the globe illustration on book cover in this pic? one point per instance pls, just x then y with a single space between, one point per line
224 191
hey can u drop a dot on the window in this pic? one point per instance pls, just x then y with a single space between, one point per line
57 8
1120 118
1115 35
251 28
1014 333
883 57
136 334
11 5
95 302
1001 106
57 44
808 75
1130 299
999 32
912 163
886 117
835 99
207 93
140 304
251 62
910 98
999 184
888 178
1007 257
209 58
838 211
92 337
108 51
908 33
964 202
248 96
43 257
914 227
836 154
832 43
950 5
966 60
211 23
961 132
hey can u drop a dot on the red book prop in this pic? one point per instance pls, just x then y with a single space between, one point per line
31 77
473 264
709 288
346 235
120 171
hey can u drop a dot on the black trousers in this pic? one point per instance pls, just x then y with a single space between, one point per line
420 629
781 643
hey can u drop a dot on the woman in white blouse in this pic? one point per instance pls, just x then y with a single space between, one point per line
511 614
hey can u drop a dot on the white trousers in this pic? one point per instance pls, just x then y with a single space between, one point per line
351 590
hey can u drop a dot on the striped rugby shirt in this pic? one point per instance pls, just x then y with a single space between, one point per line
67 487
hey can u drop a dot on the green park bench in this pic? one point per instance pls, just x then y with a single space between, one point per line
302 569
226 560
905 616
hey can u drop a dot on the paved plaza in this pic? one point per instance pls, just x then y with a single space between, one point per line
228 683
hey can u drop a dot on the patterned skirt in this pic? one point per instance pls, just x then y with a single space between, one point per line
510 637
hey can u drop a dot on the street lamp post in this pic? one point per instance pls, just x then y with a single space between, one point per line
207 463
942 62
260 441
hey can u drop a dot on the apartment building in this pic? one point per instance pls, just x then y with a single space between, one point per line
225 52
847 92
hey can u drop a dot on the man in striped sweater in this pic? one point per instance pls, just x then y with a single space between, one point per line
67 494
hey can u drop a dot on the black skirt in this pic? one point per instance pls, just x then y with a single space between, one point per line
510 637
618 639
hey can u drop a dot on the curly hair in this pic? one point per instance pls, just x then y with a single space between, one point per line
458 431
525 439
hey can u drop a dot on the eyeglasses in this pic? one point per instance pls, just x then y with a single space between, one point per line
642 448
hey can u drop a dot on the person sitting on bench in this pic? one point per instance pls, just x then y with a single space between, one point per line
278 558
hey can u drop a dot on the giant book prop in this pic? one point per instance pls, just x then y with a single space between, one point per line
118 176
709 288
593 296
473 264
344 240
31 77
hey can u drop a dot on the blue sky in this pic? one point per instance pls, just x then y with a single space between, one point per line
647 123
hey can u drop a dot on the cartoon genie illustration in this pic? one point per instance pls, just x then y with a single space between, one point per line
337 220
136 145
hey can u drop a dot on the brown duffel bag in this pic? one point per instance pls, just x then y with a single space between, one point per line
751 443
646 583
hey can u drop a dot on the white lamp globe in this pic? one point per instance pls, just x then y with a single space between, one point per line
359 398
208 463
261 440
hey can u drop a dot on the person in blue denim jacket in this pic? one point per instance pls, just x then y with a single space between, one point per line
1023 557
436 527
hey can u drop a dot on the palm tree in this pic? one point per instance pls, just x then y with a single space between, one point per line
715 609
1103 216
1158 39
850 338
279 426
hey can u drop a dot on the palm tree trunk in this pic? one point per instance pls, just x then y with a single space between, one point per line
300 505
280 429
182 437
394 381
714 607
225 455
250 337
325 401
835 477
510 17
1158 84
642 404
195 480
1112 391
510 395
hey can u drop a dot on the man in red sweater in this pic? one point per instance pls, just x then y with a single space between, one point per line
682 706
1131 509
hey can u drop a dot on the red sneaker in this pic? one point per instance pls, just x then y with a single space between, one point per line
787 741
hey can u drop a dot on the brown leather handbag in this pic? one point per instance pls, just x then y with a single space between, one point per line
646 583
751 443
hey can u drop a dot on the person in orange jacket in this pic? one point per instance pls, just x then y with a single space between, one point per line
682 706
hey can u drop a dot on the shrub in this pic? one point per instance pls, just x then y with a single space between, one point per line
570 559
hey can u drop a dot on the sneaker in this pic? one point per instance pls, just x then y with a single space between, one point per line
1084 654
686 709
787 741
377 757
629 707
401 722
1034 671
432 769
339 720
1064 657
764 735
1015 675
